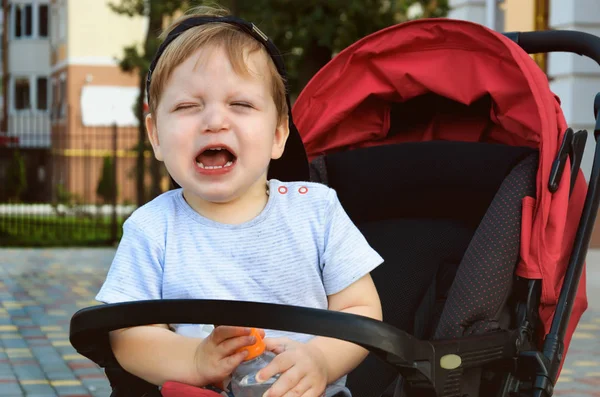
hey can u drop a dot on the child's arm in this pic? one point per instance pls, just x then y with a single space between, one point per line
156 354
342 357
308 368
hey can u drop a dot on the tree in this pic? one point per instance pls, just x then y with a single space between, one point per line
107 185
310 32
136 59
307 32
16 181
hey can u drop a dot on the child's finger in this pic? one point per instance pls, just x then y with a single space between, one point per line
279 365
291 384
231 345
276 345
233 361
224 332
312 392
301 389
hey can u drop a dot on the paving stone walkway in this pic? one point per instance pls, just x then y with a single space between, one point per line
40 289
580 376
39 292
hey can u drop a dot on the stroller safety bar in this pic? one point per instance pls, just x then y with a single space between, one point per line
427 364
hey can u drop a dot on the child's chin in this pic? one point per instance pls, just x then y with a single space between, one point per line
219 197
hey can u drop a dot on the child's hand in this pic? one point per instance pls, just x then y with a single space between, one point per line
302 367
217 356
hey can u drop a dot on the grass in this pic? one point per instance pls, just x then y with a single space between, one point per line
54 231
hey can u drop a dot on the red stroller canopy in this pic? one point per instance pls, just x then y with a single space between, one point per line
348 103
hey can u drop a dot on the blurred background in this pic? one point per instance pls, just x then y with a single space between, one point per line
74 158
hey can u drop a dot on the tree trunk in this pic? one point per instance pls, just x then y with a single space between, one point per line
155 16
315 58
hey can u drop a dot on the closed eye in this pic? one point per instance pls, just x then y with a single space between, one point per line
243 104
184 106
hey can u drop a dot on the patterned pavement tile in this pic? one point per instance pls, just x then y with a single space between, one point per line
39 292
581 372
40 289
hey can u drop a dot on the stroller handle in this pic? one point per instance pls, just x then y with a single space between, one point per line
90 324
558 41
415 359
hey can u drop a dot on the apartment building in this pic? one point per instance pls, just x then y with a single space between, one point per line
90 93
28 91
26 130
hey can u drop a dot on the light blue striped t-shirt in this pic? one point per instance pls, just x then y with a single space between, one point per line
301 248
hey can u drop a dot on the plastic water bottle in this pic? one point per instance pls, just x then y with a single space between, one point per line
243 379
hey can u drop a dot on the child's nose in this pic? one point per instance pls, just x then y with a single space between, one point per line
215 119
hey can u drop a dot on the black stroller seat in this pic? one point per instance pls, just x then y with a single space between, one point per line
446 217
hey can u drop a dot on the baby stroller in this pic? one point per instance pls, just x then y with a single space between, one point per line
451 154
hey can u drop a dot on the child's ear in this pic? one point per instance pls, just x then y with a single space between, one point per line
281 135
153 136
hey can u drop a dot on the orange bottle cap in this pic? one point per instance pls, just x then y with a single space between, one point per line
257 348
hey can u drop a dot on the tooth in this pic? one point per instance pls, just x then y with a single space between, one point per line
228 164
200 164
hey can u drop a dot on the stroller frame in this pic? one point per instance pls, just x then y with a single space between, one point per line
430 366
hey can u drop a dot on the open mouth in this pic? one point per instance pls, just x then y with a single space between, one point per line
213 158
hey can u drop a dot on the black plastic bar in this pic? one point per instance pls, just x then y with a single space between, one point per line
417 360
558 41
379 337
553 345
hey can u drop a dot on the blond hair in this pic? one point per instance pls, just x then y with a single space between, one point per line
236 43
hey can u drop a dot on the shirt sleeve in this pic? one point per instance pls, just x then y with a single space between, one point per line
347 255
136 270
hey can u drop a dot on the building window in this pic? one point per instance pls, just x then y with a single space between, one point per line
26 16
22 94
28 22
23 20
18 21
43 21
30 93
42 93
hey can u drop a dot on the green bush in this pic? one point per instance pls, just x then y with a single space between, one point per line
107 185
16 181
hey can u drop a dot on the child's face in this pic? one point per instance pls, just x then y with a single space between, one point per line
205 105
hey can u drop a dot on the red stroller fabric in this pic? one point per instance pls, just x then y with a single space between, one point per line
347 105
176 389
